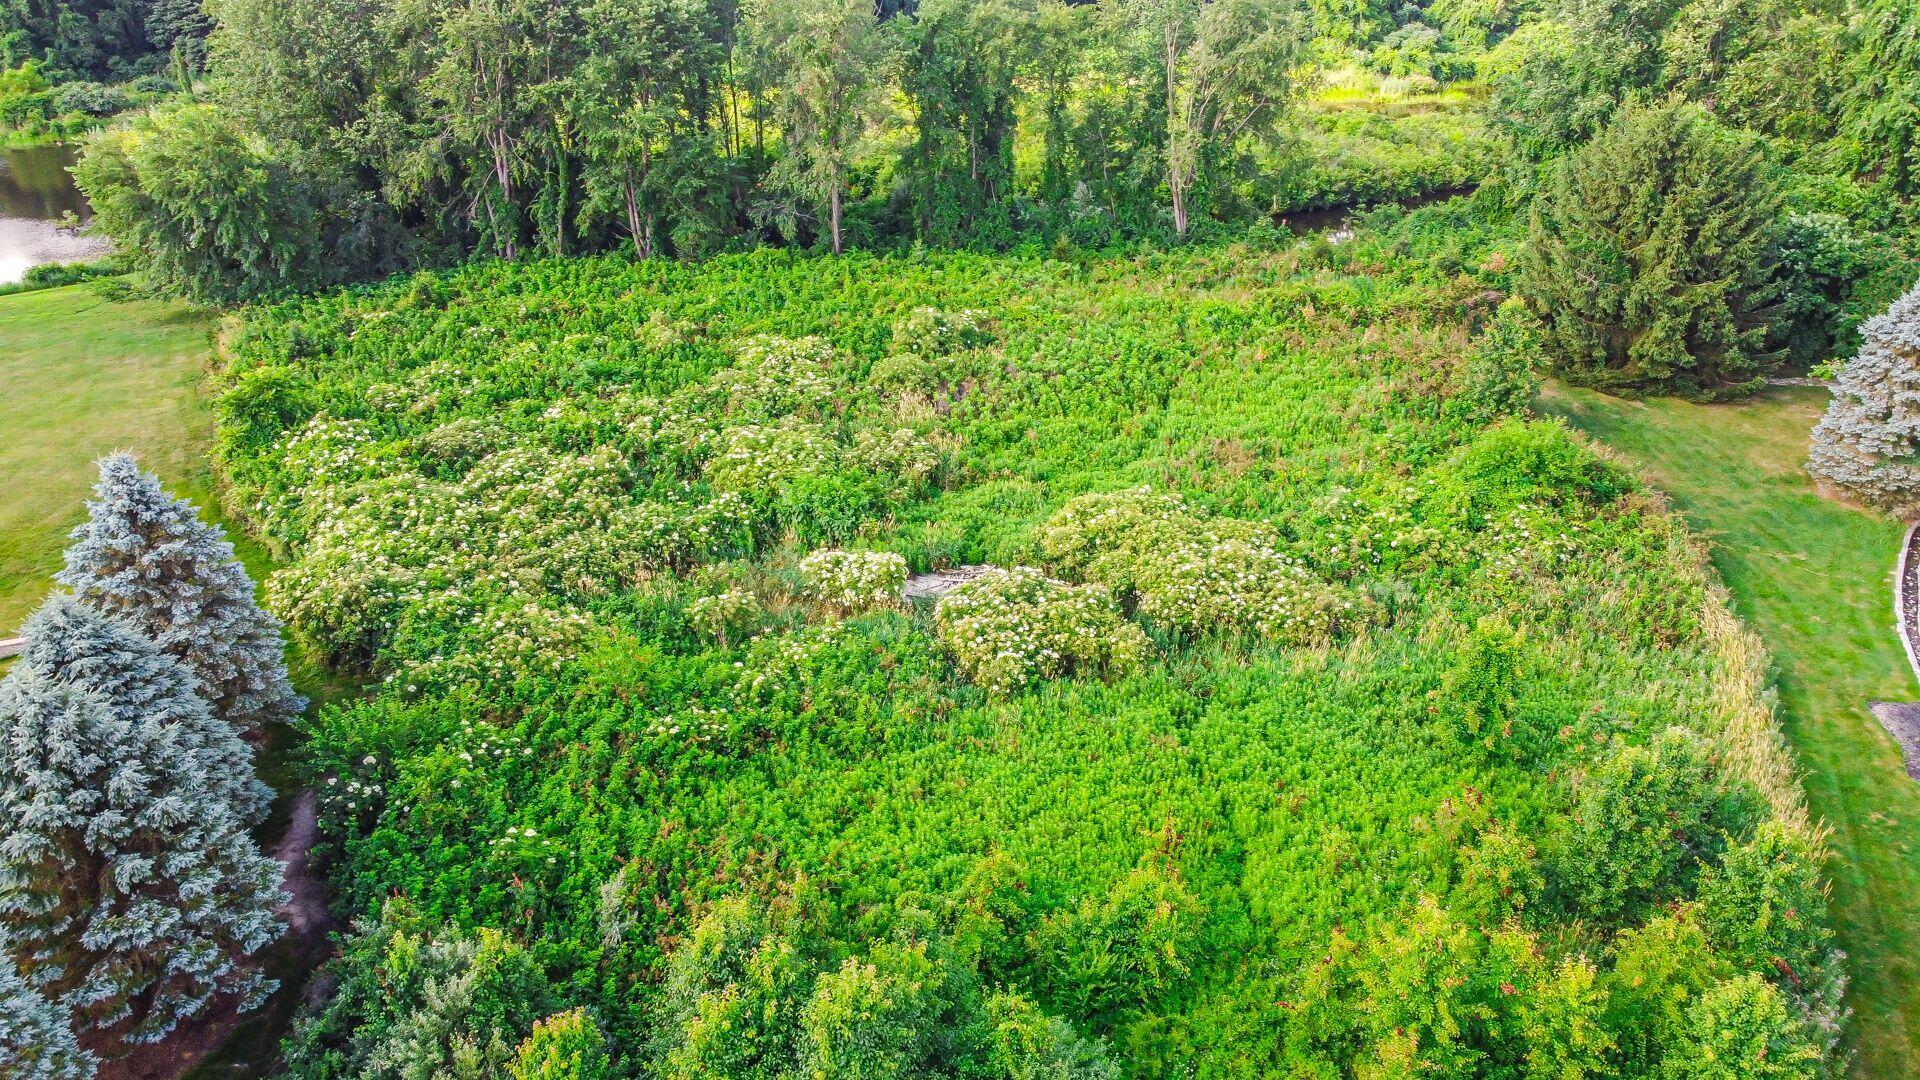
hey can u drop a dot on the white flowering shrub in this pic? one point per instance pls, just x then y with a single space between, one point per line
441 646
853 581
1009 628
772 377
456 445
765 457
1190 573
899 454
930 332
523 522
726 614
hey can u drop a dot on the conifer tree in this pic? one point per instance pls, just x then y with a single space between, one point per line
1868 443
1649 257
147 557
36 1035
130 889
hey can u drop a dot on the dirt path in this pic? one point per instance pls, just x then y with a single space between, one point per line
306 906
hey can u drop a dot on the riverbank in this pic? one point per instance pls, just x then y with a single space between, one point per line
1812 578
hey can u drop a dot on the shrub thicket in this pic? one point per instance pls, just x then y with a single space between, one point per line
1096 800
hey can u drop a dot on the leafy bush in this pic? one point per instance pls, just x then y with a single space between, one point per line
413 999
1192 574
852 581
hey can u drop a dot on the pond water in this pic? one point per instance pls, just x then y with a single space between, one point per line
36 192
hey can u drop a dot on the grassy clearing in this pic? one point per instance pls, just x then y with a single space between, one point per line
1814 579
85 376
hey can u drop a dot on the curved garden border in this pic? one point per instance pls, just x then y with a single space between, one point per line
1906 597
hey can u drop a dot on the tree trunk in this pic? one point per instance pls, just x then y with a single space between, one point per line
1179 204
833 212
640 229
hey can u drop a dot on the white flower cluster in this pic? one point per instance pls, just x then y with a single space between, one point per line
1008 628
695 723
781 663
423 390
1362 534
931 332
330 451
773 377
853 581
764 457
521 522
1191 573
501 647
1526 540
724 614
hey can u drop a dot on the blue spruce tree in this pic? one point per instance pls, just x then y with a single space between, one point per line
147 557
130 890
36 1036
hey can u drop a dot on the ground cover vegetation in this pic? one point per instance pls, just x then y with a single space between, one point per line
1317 710
1811 575
1326 716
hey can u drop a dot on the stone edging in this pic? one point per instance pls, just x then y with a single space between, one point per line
1906 598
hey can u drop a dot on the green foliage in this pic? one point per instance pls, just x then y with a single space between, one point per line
1008 628
833 835
1644 822
1649 260
199 204
1742 1030
414 1000
564 1046
1882 106
1136 944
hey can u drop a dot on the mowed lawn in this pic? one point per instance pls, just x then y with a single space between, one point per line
80 376
1814 578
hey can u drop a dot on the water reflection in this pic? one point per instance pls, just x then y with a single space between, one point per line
36 192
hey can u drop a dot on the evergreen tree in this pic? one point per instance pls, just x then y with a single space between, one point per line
147 557
36 1036
1868 443
129 886
1650 257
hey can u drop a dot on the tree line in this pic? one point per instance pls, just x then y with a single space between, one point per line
347 138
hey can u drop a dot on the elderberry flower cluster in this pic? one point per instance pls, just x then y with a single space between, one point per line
1009 628
854 581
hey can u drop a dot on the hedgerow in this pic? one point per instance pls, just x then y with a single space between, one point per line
1315 694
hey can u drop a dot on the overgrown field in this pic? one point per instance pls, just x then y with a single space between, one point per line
1343 721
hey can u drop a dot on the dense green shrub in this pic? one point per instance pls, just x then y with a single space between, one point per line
1650 261
199 205
413 999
